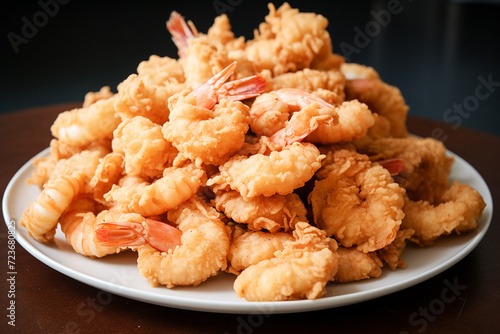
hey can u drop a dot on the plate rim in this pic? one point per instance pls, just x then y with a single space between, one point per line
244 307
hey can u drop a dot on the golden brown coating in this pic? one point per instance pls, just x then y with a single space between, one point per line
355 265
427 165
459 209
364 84
251 247
301 270
358 203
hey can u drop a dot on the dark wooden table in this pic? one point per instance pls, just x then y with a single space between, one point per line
50 302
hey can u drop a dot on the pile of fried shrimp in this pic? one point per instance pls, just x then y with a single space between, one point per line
271 159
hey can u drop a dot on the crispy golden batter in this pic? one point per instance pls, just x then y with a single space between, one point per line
301 270
460 208
204 163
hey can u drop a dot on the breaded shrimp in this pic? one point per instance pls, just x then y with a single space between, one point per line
277 172
289 40
146 152
272 111
202 253
137 97
79 223
211 136
41 216
301 270
355 119
107 173
85 162
459 209
177 185
73 157
427 165
278 212
160 71
355 265
69 178
364 84
81 126
358 203
250 247
311 80
199 56
220 33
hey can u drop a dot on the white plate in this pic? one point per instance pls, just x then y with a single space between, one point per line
118 273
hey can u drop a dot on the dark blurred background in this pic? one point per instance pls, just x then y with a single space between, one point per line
443 55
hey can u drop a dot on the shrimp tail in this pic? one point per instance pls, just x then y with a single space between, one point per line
158 235
394 166
206 94
181 32
242 89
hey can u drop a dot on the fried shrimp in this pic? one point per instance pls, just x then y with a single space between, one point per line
288 40
148 199
211 136
160 71
250 247
312 81
426 164
107 173
364 84
271 112
79 223
278 212
301 270
146 152
79 127
136 97
69 178
355 119
460 208
278 172
201 254
358 203
355 265
348 120
199 56
270 158
41 216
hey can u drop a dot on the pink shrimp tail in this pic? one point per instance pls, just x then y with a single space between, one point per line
158 235
287 136
243 89
394 166
215 89
181 32
301 99
308 99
